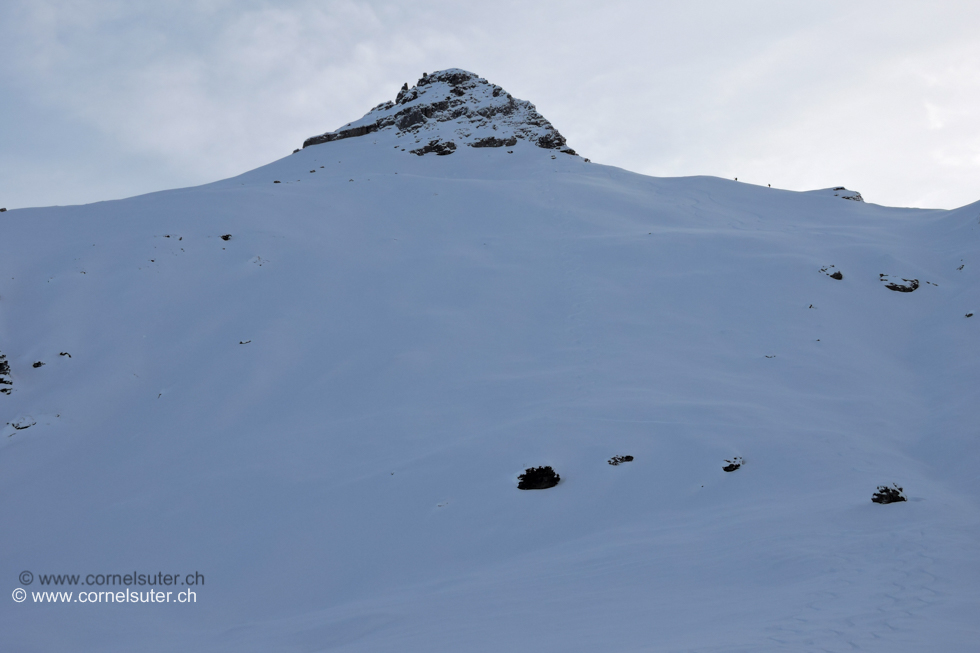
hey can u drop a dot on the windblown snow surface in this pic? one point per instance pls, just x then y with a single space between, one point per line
325 414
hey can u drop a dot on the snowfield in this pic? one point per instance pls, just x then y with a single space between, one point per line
325 414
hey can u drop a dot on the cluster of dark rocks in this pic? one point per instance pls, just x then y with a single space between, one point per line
905 285
542 478
836 274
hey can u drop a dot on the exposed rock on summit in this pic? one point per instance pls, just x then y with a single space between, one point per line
843 193
839 191
450 108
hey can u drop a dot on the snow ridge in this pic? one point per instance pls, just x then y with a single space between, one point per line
450 108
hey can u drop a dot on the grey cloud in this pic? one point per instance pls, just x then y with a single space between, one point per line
118 98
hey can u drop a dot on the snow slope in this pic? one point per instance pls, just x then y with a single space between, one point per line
419 330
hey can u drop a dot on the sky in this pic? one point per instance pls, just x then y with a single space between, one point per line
108 99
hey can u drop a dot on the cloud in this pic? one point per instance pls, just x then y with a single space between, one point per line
799 96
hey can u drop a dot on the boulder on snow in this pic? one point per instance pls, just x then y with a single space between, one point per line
538 478
733 464
38 364
885 494
907 285
615 460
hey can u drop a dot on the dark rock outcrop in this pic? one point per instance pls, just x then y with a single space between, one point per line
436 146
733 464
845 194
454 106
491 141
538 478
616 460
885 494
907 285
5 381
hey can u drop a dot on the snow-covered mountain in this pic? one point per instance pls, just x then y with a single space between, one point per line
451 107
309 391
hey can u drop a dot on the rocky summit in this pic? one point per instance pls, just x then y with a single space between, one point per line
451 108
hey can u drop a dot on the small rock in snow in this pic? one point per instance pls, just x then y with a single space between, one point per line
733 464
22 423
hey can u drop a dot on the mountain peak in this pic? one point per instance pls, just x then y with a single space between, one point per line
450 108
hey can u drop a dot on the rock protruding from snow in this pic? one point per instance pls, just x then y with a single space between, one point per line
538 478
907 285
618 460
841 192
5 381
885 494
734 463
450 108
